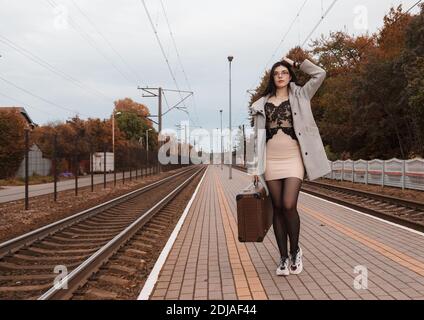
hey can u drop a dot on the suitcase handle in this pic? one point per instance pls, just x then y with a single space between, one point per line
252 184
249 186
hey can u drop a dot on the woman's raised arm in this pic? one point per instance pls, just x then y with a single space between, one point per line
317 74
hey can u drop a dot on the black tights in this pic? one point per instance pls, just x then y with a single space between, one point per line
286 221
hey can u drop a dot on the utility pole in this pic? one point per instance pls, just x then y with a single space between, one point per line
244 148
185 145
157 92
230 58
160 122
26 168
217 144
244 145
221 151
160 108
113 144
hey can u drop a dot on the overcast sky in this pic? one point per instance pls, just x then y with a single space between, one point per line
104 49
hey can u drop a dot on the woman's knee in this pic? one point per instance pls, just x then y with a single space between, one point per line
289 207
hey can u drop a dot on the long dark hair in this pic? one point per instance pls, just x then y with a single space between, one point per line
270 88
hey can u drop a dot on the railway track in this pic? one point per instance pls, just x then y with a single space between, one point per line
404 212
98 253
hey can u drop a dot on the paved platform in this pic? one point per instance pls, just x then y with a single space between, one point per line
207 261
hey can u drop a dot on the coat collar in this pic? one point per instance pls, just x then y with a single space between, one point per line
259 105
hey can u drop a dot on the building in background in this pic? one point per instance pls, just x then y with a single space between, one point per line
37 165
23 113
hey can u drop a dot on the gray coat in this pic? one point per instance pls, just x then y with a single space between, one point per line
313 153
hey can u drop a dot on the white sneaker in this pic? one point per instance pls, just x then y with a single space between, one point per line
283 267
296 264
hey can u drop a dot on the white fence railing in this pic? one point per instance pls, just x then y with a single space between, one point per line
405 174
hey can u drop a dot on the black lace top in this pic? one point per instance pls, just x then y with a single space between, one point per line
279 117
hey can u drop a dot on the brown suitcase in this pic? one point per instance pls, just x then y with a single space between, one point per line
254 213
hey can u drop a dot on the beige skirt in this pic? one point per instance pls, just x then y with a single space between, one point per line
283 158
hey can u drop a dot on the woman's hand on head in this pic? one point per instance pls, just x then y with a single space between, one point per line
291 62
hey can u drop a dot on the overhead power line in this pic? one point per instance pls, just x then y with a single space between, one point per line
43 63
41 98
160 44
287 32
179 58
134 73
284 36
91 42
313 30
24 104
162 50
319 22
407 11
413 6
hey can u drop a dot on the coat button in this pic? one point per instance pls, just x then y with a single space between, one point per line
299 133
306 153
295 113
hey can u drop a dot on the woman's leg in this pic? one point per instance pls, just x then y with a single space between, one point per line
291 189
279 223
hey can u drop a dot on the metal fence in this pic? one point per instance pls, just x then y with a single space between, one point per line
37 164
405 174
77 168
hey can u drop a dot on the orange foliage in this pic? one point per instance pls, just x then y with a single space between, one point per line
128 105
12 143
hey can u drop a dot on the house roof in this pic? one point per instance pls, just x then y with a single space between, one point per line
23 112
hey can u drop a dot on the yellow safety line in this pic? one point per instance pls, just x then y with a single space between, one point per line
246 279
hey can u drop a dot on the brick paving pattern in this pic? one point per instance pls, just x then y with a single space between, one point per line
208 262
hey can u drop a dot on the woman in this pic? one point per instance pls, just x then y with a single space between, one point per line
292 146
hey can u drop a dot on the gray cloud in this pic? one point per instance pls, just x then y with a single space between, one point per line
206 32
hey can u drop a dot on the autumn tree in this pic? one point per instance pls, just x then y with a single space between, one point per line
371 104
413 65
335 104
12 142
133 121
